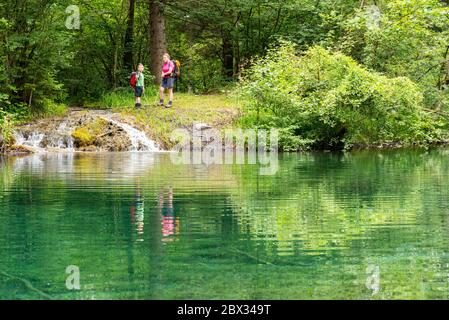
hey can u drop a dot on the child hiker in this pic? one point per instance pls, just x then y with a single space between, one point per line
168 80
140 86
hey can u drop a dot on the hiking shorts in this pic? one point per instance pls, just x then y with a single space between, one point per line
168 83
138 91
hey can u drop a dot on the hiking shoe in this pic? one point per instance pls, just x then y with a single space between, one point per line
168 106
161 103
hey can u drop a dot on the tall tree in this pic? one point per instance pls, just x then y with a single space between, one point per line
129 37
227 55
158 43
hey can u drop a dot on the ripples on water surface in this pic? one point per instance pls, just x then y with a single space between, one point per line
140 227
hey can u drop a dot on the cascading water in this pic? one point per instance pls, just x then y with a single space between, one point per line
37 141
63 138
139 141
33 140
57 135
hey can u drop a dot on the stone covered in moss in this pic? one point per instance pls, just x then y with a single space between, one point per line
87 134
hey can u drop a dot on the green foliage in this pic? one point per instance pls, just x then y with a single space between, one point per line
407 38
33 48
116 99
328 99
51 108
6 130
98 48
201 70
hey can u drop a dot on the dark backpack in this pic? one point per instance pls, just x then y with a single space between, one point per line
133 79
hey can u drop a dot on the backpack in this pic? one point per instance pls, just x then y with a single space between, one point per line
133 79
177 70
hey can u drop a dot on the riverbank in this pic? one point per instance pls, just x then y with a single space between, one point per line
100 126
118 126
219 111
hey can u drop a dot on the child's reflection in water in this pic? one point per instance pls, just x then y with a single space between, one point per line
170 223
138 213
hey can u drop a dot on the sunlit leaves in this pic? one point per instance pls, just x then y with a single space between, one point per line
328 97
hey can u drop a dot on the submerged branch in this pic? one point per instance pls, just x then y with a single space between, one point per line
236 251
27 284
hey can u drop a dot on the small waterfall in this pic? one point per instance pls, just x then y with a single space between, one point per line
62 139
59 139
139 141
57 135
33 140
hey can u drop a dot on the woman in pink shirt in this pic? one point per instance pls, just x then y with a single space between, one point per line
168 80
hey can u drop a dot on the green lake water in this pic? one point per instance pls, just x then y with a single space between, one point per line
362 225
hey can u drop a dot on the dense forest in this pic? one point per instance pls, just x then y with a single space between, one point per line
328 72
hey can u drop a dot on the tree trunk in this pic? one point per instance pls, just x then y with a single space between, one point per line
158 45
129 38
237 59
228 56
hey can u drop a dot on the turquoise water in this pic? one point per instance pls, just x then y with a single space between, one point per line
364 225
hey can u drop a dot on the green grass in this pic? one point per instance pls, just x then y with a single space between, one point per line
218 110
122 98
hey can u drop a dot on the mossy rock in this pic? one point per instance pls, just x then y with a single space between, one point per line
83 137
98 126
86 135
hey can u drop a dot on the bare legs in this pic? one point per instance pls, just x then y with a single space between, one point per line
161 96
161 93
138 94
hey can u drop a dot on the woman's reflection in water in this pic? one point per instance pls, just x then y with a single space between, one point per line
170 223
138 212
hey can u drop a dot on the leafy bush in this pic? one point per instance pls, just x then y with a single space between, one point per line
409 39
51 108
323 99
6 130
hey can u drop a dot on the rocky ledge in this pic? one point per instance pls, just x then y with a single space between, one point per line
80 130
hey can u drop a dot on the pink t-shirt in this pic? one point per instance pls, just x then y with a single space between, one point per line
167 66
